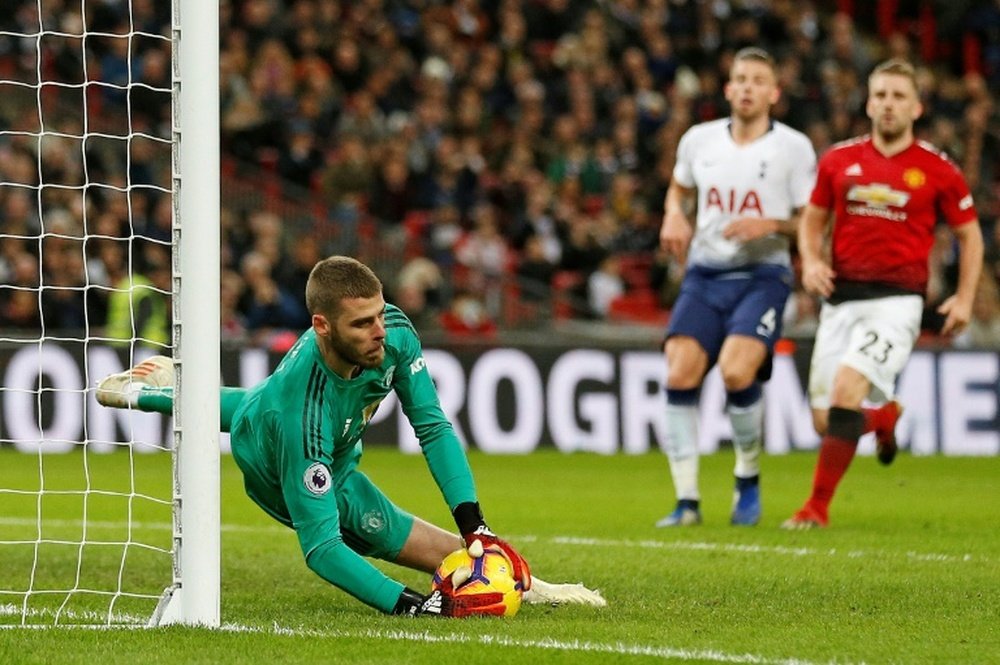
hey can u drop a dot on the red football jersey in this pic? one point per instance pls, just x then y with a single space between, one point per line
885 209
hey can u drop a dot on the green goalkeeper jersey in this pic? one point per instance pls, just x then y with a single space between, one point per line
297 439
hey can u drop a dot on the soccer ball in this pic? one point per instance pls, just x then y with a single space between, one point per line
491 573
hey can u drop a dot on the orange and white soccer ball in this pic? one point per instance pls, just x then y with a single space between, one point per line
491 573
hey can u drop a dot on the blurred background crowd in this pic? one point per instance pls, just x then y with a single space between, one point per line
500 163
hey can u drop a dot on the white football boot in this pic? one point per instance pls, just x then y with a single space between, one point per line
120 390
545 593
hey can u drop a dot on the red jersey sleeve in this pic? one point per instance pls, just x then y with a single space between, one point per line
956 200
822 194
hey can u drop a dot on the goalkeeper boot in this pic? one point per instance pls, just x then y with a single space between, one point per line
685 514
746 502
885 436
806 518
121 390
547 593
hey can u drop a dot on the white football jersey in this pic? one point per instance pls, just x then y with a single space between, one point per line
770 177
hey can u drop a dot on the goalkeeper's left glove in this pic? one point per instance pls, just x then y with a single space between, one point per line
472 526
443 602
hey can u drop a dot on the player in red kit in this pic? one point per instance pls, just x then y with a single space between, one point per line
885 193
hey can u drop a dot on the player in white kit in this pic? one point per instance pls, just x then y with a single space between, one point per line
751 176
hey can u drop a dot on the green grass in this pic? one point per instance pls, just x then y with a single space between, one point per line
909 571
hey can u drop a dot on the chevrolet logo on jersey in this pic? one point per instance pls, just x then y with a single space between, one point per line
878 195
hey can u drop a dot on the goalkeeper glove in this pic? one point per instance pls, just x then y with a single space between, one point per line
444 603
469 518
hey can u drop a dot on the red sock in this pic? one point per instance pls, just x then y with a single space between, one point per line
835 455
872 419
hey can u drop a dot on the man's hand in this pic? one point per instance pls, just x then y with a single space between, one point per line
957 315
483 539
444 603
817 278
675 235
745 229
472 526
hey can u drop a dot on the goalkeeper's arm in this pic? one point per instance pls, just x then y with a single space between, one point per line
343 567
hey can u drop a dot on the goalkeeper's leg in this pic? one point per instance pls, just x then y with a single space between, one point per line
149 386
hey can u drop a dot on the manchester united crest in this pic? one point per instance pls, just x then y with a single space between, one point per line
914 178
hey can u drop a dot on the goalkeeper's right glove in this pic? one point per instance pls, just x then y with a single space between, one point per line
443 602
469 518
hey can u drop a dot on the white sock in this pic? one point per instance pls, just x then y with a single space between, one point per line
748 427
682 450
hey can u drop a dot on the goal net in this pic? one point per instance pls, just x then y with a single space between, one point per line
107 516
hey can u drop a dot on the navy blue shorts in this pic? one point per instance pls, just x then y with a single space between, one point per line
714 304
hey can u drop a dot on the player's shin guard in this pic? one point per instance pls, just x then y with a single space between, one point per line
835 454
746 414
682 441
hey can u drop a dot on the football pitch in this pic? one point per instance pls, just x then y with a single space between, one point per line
908 572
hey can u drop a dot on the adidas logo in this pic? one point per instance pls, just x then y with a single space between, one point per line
143 369
433 604
853 169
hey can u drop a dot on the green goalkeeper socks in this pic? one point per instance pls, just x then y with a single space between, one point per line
161 400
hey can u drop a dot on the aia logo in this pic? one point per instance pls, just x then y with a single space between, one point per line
730 202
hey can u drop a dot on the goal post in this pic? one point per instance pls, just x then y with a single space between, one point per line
109 253
194 598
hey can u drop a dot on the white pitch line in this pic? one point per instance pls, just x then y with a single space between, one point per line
737 548
428 637
744 548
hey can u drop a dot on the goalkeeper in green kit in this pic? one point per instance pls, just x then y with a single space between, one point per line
297 439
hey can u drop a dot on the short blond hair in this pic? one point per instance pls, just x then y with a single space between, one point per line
756 54
896 67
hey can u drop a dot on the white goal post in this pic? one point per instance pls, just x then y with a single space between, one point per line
194 598
107 516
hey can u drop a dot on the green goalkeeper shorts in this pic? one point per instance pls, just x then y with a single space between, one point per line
370 523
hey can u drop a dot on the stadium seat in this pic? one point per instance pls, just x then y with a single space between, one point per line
565 283
641 306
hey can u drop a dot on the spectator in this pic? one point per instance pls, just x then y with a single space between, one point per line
983 331
420 290
345 184
19 297
292 272
266 305
301 159
474 99
232 321
604 285
466 316
483 252
138 308
535 272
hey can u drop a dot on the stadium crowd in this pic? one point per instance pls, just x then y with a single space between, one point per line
497 162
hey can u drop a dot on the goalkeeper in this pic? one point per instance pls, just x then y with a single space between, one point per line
297 439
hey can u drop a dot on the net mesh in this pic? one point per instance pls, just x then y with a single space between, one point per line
85 257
